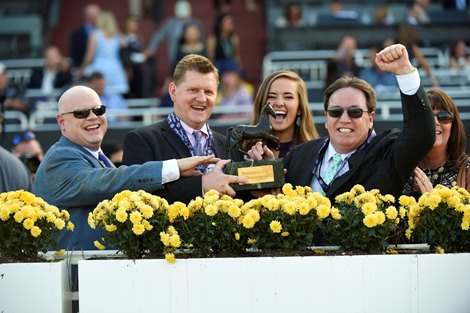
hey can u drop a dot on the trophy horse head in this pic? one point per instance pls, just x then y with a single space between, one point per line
261 131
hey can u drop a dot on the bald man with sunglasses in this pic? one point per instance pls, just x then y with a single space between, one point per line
75 175
353 153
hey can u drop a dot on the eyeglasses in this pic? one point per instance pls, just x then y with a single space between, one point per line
353 112
84 113
26 136
444 117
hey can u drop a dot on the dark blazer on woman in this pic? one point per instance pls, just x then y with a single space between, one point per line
157 142
384 164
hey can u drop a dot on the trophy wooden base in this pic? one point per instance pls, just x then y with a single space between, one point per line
263 174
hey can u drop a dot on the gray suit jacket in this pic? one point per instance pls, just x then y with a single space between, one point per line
71 178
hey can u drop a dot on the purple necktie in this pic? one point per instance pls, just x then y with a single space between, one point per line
197 142
104 159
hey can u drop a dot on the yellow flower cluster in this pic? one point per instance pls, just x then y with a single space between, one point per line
28 210
455 200
128 211
38 219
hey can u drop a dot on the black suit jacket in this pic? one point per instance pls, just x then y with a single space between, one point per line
62 79
385 164
78 45
157 142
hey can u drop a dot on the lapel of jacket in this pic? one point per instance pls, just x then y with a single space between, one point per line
354 165
174 141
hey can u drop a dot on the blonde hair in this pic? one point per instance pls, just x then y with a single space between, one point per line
107 23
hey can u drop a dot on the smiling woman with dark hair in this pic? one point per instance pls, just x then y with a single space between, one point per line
446 163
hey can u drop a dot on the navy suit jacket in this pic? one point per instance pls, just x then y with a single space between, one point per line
158 142
72 178
385 164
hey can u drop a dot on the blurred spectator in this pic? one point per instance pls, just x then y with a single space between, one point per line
13 93
79 37
13 174
455 4
27 148
343 63
172 29
417 13
133 58
292 16
337 10
234 92
103 54
114 151
54 75
224 44
378 79
407 36
113 101
459 59
191 42
222 7
383 15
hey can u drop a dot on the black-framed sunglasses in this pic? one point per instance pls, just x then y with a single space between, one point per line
26 136
353 112
84 113
444 117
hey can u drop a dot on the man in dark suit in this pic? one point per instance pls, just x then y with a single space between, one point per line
382 161
54 75
193 91
79 38
75 175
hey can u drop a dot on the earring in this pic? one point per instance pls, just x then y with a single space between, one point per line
298 121
326 126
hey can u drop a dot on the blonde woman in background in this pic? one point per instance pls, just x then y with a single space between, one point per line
103 54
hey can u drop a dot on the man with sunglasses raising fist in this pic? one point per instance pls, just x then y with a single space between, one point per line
75 175
353 153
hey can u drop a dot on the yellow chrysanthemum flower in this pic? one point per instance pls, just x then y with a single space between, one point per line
170 258
135 217
211 210
275 227
121 215
28 223
70 226
370 220
285 234
237 236
35 231
323 211
165 239
98 245
334 212
59 252
59 223
368 208
138 229
391 212
175 241
380 217
110 228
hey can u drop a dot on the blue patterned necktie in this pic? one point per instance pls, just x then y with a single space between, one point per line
104 159
333 168
197 142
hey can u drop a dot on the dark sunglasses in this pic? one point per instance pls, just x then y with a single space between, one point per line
353 112
26 136
444 117
84 113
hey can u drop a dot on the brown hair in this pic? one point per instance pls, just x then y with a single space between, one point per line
354 82
307 130
193 62
440 100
